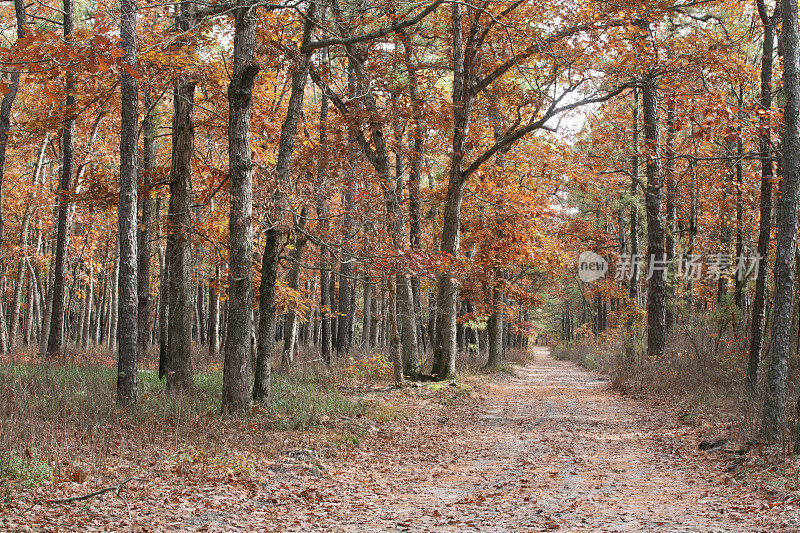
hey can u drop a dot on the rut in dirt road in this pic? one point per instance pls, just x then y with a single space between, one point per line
551 448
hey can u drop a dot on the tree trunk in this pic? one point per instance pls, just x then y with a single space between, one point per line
87 314
293 282
145 228
275 233
163 312
5 126
128 300
266 315
671 210
200 312
444 346
765 207
397 356
495 327
738 294
113 314
16 304
179 223
786 223
657 285
237 375
366 325
213 314
56 334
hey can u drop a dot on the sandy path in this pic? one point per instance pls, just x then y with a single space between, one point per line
552 448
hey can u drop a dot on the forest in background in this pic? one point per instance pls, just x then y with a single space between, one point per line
402 185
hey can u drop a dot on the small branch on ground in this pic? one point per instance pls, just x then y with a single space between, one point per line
115 488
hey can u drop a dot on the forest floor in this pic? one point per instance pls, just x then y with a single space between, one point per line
551 447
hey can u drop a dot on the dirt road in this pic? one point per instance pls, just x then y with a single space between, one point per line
550 449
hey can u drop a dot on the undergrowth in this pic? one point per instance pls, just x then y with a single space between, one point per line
57 418
701 374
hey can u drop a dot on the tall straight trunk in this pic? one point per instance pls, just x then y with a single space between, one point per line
30 311
671 209
415 167
56 335
87 313
495 321
265 348
98 313
213 314
145 227
693 229
346 285
179 222
495 330
738 294
657 285
200 312
786 224
334 308
47 310
397 356
128 299
237 373
345 317
375 313
633 287
444 346
22 267
723 217
308 326
293 282
366 324
16 306
163 313
275 232
326 340
113 314
5 110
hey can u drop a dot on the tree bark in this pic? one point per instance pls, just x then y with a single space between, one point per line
87 314
6 105
179 223
366 325
765 204
56 334
128 300
163 313
444 346
671 210
22 266
113 314
633 286
495 327
265 348
275 232
397 356
237 374
786 223
293 282
657 285
213 314
145 228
